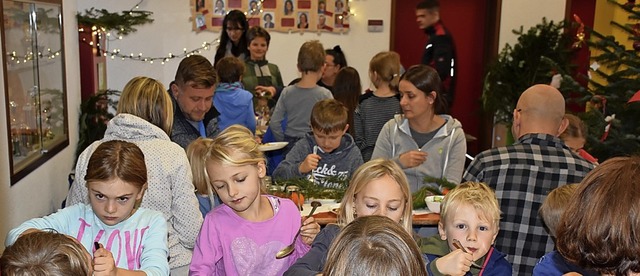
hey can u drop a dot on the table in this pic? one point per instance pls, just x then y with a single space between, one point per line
325 214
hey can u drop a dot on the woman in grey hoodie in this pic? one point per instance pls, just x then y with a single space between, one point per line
422 141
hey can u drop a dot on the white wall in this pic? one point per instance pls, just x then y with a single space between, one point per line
42 191
527 13
171 32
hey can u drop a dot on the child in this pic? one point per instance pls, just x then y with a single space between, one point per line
376 108
260 77
374 245
327 152
242 236
574 136
551 211
554 205
296 101
599 230
131 239
46 253
196 152
469 214
378 187
347 89
233 102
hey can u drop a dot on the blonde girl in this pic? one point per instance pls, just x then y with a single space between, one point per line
242 236
374 245
379 106
196 152
378 187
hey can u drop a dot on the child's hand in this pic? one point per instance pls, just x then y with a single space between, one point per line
309 230
455 263
310 163
412 158
103 263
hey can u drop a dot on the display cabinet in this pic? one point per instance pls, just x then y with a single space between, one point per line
34 83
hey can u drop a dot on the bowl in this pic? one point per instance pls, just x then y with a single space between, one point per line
433 202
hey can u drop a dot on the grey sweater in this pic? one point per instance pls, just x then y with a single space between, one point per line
445 151
342 162
294 108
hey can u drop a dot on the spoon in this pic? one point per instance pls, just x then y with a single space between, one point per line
290 248
458 245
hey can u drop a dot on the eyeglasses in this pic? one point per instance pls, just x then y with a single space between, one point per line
329 65
233 29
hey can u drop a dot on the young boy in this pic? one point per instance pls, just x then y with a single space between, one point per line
551 211
231 99
468 226
553 206
297 100
326 152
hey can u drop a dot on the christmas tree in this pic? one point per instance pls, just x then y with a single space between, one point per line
540 53
612 101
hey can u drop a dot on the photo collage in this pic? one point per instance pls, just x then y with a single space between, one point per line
275 15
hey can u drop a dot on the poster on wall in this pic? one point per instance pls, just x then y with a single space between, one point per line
275 15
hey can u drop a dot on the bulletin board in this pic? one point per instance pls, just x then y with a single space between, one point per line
275 15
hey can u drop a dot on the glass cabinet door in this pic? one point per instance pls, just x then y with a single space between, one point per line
34 83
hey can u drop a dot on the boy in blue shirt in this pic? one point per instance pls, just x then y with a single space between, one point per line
328 151
469 224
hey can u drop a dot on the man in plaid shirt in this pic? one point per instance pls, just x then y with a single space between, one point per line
524 173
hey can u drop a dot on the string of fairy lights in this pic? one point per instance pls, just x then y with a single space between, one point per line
105 35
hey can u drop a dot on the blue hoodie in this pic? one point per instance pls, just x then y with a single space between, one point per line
235 106
434 248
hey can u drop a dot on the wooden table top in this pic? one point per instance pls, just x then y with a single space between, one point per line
325 218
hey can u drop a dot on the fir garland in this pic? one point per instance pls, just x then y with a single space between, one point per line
123 23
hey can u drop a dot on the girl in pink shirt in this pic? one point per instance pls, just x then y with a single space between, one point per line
242 236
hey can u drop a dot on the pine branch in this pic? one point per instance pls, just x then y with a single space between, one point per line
123 23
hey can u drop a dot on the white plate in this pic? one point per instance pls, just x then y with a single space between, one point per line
272 146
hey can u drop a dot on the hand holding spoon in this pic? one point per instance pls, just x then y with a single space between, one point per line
291 247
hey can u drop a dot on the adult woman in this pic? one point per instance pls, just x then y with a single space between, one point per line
232 38
288 7
303 21
378 187
219 9
422 140
145 117
333 62
268 20
260 77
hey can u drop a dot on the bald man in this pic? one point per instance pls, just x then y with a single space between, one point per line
524 173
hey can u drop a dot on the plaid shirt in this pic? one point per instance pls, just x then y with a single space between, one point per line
522 175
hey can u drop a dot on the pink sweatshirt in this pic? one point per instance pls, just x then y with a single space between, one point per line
230 245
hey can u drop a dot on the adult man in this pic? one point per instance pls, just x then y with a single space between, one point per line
439 52
523 174
192 96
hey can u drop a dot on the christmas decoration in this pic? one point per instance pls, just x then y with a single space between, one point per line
542 52
635 97
580 35
123 23
613 100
